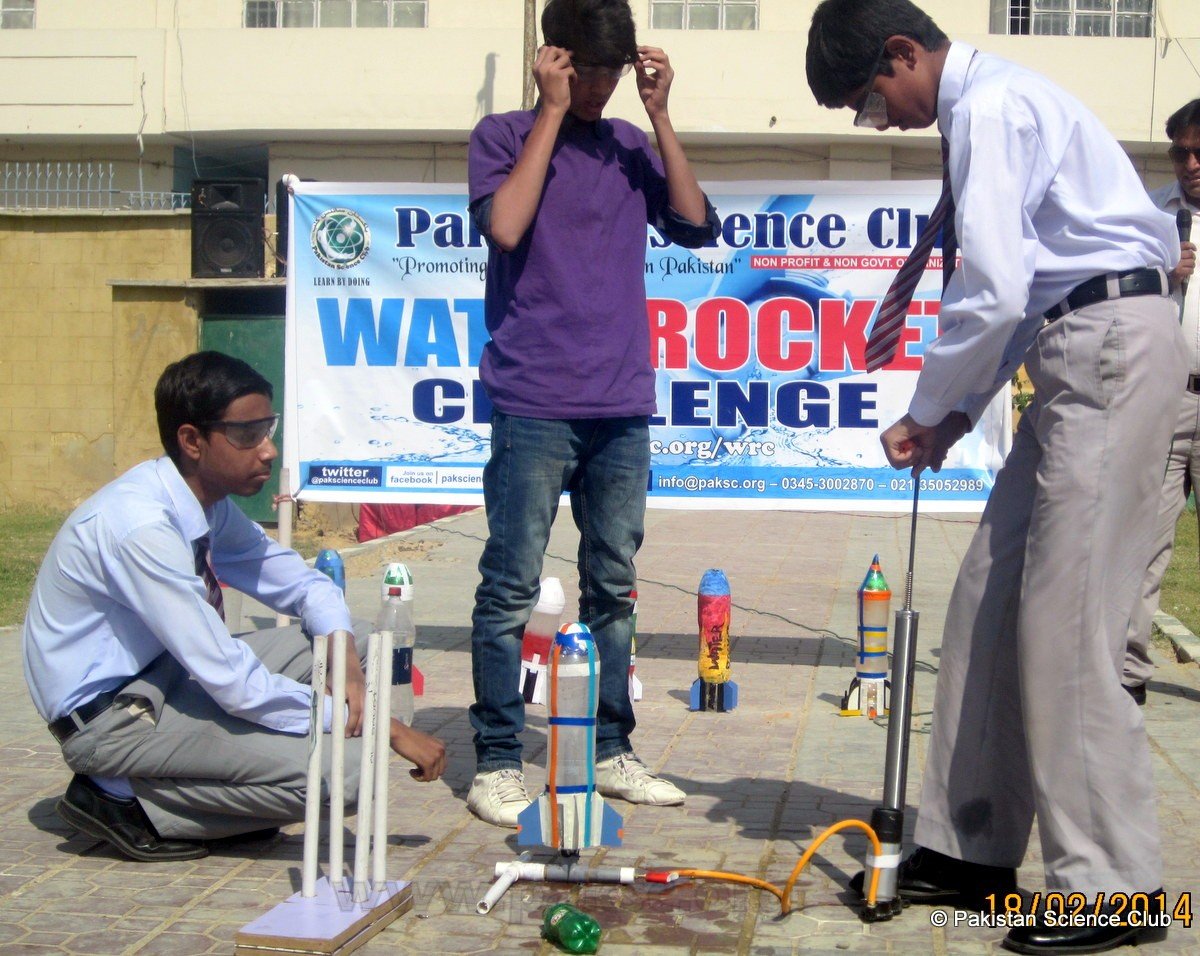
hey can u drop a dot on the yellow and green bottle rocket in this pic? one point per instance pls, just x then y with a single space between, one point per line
868 691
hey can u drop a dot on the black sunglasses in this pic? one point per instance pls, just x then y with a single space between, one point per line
1180 154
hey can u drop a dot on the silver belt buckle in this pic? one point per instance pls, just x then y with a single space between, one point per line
1193 383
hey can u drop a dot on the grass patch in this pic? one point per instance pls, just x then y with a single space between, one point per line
1181 583
25 534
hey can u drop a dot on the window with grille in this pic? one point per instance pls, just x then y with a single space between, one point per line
1074 18
334 13
17 14
704 14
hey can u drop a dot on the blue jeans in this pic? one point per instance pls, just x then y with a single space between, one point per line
604 463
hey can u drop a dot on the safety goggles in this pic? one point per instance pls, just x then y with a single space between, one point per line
873 112
248 434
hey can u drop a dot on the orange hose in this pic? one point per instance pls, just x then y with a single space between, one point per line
552 758
734 878
785 895
786 899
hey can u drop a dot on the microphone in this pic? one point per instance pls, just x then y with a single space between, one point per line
1183 222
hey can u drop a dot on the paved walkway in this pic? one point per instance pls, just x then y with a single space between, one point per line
762 782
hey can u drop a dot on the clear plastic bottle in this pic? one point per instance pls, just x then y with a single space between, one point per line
574 698
396 616
571 928
539 638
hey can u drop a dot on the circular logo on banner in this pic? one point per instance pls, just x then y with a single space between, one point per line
340 238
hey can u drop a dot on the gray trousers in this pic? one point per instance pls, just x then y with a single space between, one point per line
199 772
1179 479
1029 715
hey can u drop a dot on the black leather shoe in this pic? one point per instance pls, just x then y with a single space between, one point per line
1137 692
123 823
1095 936
938 880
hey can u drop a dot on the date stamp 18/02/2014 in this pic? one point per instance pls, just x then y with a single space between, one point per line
1057 909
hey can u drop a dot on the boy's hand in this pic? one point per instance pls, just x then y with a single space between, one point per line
654 76
1187 264
553 73
427 752
356 686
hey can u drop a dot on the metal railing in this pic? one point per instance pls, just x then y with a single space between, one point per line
57 185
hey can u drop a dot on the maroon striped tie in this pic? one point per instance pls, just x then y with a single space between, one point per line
889 323
204 568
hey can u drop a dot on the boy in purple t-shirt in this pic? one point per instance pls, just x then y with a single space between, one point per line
564 198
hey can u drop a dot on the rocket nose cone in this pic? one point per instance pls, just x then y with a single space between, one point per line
714 582
573 635
550 597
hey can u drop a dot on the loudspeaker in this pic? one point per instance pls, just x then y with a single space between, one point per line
227 228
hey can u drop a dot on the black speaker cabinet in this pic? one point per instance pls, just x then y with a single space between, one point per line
227 228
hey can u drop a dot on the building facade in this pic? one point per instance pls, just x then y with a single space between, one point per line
110 111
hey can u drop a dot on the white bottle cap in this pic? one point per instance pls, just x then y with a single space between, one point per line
551 600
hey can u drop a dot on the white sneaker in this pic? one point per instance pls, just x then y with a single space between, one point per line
625 776
498 796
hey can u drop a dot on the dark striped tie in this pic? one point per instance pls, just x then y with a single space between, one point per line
889 323
212 586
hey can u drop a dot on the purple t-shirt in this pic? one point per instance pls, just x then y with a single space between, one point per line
566 309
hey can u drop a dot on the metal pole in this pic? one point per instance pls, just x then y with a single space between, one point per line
528 88
888 820
285 530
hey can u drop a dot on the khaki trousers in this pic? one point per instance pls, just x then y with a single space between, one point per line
1029 715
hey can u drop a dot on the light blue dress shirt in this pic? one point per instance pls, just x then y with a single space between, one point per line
118 587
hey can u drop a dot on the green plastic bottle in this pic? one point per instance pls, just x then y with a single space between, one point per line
571 928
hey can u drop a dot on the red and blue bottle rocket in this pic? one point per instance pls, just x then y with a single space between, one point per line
713 689
571 815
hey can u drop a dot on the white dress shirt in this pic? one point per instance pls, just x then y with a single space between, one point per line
118 587
1045 198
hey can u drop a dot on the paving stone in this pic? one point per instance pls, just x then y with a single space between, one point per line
763 782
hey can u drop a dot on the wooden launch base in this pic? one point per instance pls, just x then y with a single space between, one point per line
327 924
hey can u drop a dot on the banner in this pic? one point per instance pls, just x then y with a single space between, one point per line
757 343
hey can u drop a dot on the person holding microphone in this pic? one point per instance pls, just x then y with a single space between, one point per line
1182 199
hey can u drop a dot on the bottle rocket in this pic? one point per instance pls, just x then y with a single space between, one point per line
571 815
868 690
329 563
635 685
396 615
539 636
713 689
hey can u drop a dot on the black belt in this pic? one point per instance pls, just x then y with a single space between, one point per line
1114 285
1193 384
66 727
